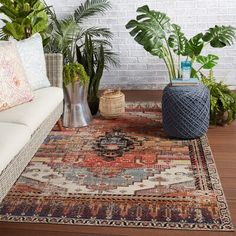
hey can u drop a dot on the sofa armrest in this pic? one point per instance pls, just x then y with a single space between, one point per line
54 64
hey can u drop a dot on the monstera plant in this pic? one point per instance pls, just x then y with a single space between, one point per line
155 32
23 18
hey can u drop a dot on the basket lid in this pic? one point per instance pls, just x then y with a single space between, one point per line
112 93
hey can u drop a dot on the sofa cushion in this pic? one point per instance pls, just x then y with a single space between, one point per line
33 61
14 87
35 112
12 139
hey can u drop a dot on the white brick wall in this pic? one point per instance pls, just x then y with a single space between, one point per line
139 69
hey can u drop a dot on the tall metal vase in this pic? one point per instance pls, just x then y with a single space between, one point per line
76 109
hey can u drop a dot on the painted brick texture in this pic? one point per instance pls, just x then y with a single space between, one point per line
139 69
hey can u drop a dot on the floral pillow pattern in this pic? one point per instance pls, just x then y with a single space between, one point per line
14 87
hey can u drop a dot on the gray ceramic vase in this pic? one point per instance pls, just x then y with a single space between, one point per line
76 109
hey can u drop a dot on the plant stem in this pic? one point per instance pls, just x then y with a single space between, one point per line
199 69
179 68
169 71
171 58
169 63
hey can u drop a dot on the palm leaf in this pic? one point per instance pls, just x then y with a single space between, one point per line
97 32
111 58
220 36
65 35
3 36
91 8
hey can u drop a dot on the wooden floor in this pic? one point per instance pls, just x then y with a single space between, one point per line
223 144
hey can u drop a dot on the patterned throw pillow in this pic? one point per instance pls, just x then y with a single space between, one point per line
14 87
33 60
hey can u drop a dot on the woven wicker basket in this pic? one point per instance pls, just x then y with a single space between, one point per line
112 104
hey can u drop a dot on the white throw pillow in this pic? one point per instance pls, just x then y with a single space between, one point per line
33 60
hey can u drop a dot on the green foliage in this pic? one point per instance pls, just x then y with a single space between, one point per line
63 37
208 62
92 57
223 101
74 72
194 46
91 8
24 18
149 30
220 36
155 32
177 40
69 37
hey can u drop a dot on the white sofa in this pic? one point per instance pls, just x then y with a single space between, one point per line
23 128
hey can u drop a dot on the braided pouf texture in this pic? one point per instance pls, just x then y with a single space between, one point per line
186 111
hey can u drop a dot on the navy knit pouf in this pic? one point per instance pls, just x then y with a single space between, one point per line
186 111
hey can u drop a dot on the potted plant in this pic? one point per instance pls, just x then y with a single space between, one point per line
93 47
63 38
155 32
93 59
24 18
223 101
76 110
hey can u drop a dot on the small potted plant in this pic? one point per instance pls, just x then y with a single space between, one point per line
76 109
223 101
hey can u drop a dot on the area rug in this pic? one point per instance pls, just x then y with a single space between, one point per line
124 172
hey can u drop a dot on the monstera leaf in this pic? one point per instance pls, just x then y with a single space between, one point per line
220 36
208 62
150 29
177 40
195 45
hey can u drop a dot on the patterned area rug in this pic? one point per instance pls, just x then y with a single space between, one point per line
122 172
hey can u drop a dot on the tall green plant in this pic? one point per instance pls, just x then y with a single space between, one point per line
155 32
68 33
93 59
24 18
89 46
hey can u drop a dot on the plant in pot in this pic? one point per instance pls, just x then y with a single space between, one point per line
63 39
155 32
76 110
93 46
24 18
96 56
223 101
92 58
